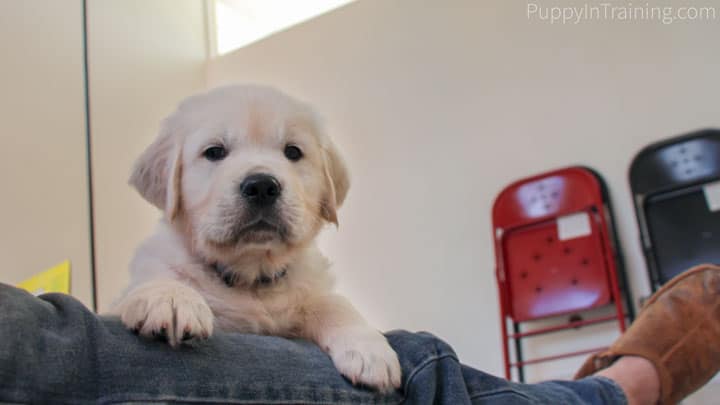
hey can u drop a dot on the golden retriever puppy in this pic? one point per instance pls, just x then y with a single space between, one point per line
246 178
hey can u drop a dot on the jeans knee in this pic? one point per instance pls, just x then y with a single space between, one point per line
416 348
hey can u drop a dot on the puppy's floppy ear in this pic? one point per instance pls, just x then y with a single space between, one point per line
337 183
158 171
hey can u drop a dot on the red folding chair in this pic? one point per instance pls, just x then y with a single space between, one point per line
556 253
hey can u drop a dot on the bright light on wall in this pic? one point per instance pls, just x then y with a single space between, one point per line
241 22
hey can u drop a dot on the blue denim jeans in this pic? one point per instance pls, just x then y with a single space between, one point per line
54 350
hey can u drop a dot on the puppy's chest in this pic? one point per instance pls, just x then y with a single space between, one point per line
273 310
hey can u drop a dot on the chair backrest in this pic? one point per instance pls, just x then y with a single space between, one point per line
552 245
676 191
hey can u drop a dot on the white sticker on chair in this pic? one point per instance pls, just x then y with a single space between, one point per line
573 226
712 195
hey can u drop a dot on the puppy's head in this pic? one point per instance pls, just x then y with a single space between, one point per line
243 169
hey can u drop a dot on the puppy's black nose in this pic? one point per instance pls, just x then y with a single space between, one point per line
260 189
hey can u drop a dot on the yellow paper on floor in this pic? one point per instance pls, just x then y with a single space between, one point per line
55 279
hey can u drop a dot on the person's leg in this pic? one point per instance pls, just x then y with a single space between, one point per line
53 349
432 374
671 349
637 377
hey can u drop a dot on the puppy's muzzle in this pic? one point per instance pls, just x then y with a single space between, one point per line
260 190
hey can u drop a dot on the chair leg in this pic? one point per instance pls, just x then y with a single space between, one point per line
617 297
630 310
620 313
506 349
518 353
624 288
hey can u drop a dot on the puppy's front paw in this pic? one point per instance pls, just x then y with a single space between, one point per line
168 310
364 356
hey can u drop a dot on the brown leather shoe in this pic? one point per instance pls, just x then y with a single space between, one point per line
678 331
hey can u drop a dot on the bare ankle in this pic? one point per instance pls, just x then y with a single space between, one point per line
637 377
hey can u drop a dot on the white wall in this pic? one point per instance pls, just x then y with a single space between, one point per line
144 57
44 216
438 105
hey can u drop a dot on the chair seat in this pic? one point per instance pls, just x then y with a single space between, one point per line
683 230
548 276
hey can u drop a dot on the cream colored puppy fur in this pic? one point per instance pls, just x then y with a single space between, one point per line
175 287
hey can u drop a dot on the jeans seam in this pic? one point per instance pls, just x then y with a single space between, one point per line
422 366
193 400
500 391
145 397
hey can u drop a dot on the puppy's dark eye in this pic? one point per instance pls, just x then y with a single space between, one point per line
293 153
215 153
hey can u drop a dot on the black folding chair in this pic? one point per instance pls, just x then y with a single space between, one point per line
676 190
